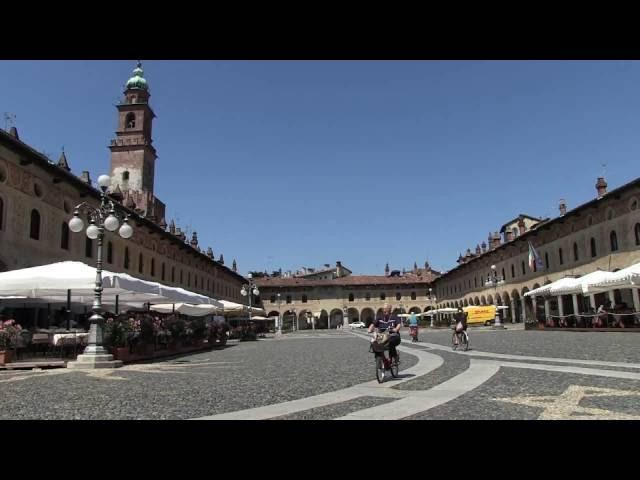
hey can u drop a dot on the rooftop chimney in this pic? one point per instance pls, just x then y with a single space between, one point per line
13 131
495 241
601 187
484 247
85 177
521 226
562 207
478 250
339 269
508 235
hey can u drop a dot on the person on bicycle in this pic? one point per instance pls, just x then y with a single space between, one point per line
413 325
461 322
389 324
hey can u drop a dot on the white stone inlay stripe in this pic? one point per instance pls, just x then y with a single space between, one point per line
427 362
478 372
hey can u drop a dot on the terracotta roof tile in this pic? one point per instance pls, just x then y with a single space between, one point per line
344 281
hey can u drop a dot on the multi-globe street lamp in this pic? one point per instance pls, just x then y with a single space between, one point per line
279 322
250 289
105 216
494 281
432 300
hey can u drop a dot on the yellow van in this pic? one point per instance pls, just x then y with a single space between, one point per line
485 314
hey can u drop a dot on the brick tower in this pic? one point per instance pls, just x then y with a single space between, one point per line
133 156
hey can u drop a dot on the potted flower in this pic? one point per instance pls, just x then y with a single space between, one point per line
9 333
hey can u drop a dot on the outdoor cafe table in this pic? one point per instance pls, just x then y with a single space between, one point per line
70 338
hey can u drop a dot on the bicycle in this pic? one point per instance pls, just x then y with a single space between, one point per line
463 340
378 347
413 332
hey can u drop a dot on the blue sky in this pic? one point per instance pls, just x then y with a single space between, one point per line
293 163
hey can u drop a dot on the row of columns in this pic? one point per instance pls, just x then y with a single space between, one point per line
574 297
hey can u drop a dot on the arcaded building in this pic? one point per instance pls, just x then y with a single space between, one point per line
38 196
603 233
332 296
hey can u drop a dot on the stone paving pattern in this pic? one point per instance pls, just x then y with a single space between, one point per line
336 410
614 347
254 374
258 373
480 403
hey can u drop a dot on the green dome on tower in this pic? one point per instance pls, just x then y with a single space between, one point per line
137 81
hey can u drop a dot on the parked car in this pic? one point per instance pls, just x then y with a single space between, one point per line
357 325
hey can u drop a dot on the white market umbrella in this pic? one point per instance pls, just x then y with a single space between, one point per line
575 285
200 310
52 282
627 277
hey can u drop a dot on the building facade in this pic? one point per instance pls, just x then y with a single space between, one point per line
332 297
603 233
38 197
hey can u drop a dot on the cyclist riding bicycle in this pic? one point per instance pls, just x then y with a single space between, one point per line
413 327
390 325
461 322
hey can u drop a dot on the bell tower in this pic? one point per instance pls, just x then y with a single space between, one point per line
133 156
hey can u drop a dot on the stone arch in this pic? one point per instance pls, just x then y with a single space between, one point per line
476 301
273 313
483 300
508 314
415 310
323 320
335 318
515 297
304 319
367 316
465 303
490 299
289 319
528 305
379 313
353 315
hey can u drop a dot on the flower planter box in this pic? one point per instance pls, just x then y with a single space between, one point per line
121 353
5 357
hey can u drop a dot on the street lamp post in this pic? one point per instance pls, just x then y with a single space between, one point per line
250 289
431 299
279 314
494 281
100 218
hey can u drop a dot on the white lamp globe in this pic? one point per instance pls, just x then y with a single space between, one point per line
111 223
104 181
125 230
243 292
92 231
76 224
256 291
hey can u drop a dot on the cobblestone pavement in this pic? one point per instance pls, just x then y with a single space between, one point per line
512 374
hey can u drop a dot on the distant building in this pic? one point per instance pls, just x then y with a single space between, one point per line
603 233
332 296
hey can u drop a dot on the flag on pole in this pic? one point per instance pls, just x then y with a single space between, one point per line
534 259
